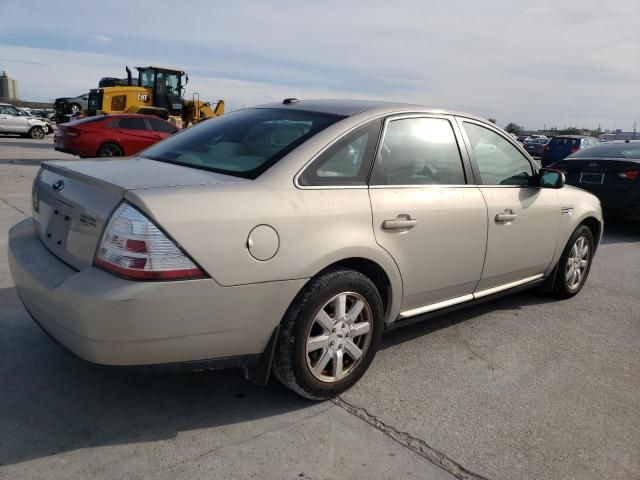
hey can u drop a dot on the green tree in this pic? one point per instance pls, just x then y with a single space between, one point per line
513 128
570 131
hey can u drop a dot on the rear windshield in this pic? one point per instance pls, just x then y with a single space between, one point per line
244 143
618 150
564 141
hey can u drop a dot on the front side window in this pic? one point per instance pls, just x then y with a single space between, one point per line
132 124
244 143
347 162
419 151
9 110
499 162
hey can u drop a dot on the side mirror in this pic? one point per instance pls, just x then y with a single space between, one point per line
549 178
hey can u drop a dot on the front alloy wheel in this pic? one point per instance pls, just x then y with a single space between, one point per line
37 133
577 263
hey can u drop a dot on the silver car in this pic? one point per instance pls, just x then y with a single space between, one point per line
16 121
288 237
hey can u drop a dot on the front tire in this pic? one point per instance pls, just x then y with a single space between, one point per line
574 264
37 133
110 150
329 334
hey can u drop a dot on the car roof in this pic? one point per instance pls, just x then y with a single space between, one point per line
131 115
348 108
572 136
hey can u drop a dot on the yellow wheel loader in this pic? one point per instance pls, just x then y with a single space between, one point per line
157 91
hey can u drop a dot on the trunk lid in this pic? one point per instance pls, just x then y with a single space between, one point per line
598 174
73 200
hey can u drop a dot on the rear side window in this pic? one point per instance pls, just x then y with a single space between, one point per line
499 162
244 143
132 123
346 162
419 151
571 142
160 126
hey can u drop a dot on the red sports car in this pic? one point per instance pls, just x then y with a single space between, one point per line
111 135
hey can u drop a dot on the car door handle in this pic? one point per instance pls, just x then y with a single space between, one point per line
506 216
403 222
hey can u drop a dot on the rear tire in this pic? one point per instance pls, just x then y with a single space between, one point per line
110 150
37 133
329 335
574 264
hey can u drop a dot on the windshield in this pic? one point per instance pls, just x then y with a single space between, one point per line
146 78
618 150
244 143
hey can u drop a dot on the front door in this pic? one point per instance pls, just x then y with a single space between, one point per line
524 220
425 214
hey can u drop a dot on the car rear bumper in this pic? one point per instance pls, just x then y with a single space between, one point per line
112 321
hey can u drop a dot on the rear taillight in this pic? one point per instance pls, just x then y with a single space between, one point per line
132 246
630 174
546 147
574 149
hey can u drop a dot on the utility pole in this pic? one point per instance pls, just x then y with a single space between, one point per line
635 126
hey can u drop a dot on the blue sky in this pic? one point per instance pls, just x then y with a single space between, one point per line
545 63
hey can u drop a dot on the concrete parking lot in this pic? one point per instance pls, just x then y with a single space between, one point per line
517 388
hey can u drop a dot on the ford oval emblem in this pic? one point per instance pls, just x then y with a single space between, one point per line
58 185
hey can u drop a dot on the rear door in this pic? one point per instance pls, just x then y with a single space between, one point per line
524 220
134 135
425 213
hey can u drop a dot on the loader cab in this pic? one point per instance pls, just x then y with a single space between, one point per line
166 85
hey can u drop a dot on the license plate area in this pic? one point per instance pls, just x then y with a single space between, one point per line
592 178
55 228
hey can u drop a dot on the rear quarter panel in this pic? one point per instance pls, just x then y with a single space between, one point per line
315 228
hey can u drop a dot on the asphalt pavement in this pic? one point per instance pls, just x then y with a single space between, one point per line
517 388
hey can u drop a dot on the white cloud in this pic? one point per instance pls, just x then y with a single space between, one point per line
101 38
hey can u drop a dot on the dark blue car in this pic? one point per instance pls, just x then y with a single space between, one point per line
564 145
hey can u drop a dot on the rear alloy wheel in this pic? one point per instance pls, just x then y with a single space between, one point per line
110 150
574 264
75 108
37 133
329 335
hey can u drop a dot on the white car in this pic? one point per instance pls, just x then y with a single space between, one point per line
13 120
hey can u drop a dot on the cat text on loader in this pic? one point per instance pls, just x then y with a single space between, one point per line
158 91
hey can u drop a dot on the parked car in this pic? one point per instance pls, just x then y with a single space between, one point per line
530 138
611 171
535 146
15 121
111 135
36 114
288 237
68 107
563 145
521 138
